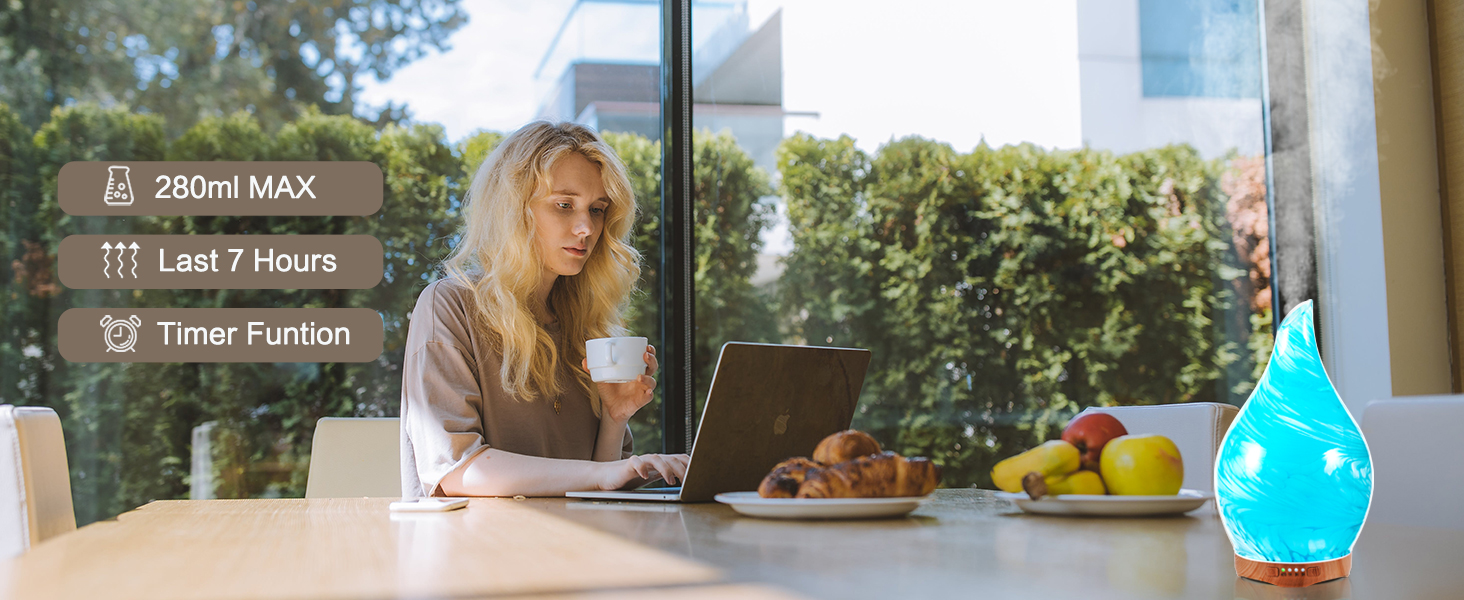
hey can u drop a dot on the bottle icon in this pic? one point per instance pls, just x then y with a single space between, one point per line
119 187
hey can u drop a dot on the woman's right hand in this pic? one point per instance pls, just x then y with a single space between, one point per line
639 469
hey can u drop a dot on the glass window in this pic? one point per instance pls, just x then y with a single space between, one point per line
603 69
454 79
992 197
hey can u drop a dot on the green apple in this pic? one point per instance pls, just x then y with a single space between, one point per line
1142 465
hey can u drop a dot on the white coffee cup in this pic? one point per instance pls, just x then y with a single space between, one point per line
616 359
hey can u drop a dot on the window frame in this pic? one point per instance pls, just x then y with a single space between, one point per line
678 244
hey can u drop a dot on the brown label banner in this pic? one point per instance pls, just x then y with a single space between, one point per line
218 335
191 262
220 188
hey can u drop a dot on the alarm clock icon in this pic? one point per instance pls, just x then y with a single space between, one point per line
119 334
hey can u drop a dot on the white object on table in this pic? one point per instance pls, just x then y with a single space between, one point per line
429 504
1109 506
1418 477
753 505
1196 428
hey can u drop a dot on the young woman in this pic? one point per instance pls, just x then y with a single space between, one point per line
496 396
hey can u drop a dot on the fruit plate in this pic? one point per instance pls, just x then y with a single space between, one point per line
1110 506
752 505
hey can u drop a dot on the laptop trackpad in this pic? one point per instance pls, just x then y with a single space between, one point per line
658 485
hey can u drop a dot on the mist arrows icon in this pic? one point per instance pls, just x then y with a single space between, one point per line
120 248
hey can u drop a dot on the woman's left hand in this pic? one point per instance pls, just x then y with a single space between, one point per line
618 401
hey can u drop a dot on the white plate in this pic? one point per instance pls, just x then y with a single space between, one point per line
753 505
1110 506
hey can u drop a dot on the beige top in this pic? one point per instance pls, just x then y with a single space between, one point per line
454 405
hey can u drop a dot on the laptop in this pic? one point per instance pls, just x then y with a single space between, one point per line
767 403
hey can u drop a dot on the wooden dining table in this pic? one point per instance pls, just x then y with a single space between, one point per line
961 542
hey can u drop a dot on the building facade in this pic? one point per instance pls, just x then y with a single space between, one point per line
1159 72
603 70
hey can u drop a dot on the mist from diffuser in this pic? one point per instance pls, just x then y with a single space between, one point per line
1293 479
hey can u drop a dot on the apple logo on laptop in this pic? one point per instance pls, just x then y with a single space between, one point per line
780 426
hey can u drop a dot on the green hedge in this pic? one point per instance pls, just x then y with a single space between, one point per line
1004 290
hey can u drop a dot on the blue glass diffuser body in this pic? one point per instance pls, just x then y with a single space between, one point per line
1293 479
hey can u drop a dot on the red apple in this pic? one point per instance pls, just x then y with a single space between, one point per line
1090 433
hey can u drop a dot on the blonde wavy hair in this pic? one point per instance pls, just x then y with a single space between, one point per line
498 258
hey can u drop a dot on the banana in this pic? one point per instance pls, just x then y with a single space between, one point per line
1052 458
1081 482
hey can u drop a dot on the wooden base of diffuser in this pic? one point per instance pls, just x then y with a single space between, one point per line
1293 574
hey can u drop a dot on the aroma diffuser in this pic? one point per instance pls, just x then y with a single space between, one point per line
1293 480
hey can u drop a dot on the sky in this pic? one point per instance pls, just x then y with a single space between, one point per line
485 79
956 71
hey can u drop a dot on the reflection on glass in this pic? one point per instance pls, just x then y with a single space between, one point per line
1293 479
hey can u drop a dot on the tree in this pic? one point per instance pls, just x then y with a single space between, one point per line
189 59
730 219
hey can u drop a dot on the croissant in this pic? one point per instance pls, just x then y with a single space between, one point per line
785 478
886 475
845 445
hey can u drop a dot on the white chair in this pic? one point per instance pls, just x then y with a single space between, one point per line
354 458
35 483
1418 476
1196 428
